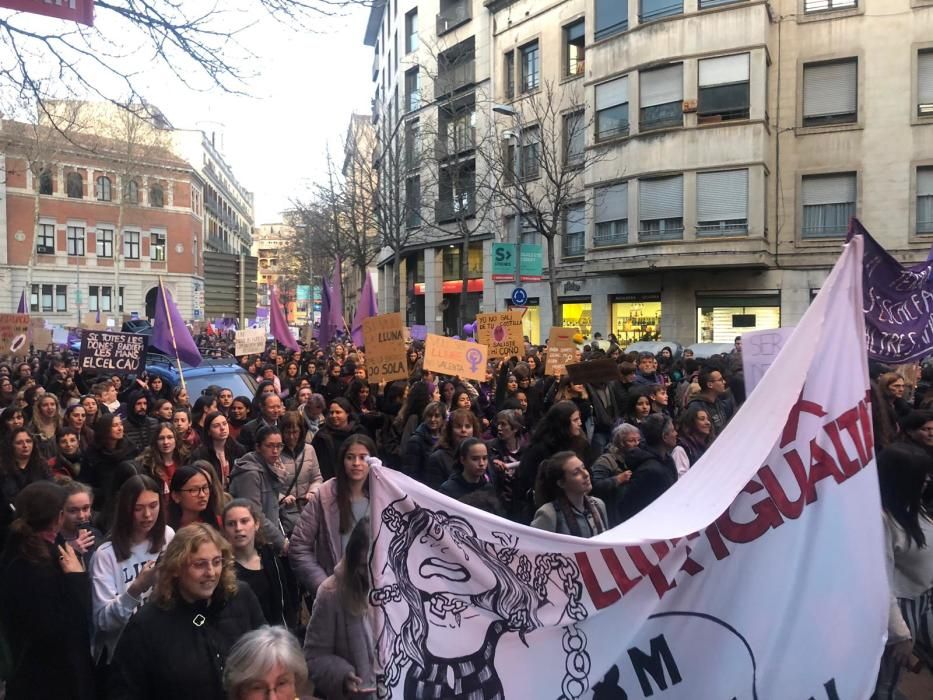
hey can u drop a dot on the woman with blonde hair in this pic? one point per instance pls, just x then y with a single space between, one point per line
46 420
177 644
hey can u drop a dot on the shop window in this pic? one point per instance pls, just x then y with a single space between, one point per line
633 321
720 319
577 314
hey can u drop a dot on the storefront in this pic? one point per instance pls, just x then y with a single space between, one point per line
531 321
720 318
635 317
577 312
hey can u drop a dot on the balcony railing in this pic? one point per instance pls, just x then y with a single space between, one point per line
456 76
460 206
455 144
574 245
453 16
610 233
716 229
654 230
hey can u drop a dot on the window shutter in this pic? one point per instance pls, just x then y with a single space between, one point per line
828 189
724 70
924 182
925 77
662 85
662 198
575 31
613 93
611 203
830 88
722 196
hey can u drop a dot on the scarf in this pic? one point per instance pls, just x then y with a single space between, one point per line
591 512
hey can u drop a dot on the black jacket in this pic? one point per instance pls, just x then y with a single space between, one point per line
327 443
606 469
247 434
439 467
279 605
417 450
458 487
167 654
652 475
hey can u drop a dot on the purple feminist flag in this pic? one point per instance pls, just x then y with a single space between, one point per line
21 309
278 324
367 309
169 332
898 303
325 332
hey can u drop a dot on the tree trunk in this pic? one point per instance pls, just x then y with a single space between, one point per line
552 282
395 296
461 306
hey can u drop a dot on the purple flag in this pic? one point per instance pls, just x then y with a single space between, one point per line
21 309
280 330
898 303
325 331
97 320
184 347
367 308
337 322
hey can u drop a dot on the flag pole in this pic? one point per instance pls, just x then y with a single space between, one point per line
171 330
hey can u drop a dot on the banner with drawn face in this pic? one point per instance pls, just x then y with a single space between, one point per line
760 574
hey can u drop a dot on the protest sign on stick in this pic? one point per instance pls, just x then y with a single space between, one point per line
121 353
14 331
384 339
456 358
250 341
501 333
561 351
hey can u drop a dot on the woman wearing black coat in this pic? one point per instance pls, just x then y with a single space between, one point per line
329 439
423 440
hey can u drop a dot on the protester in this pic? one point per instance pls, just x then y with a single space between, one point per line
611 473
192 498
694 435
461 424
20 464
162 456
563 500
76 529
328 441
302 471
713 388
470 473
266 662
653 469
218 447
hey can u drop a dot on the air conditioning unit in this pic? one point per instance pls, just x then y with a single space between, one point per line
926 109
45 250
689 106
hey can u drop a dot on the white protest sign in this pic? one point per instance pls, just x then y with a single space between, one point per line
759 574
250 341
759 351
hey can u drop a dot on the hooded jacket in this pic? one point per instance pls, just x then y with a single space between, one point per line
419 447
252 479
327 443
315 546
137 430
653 473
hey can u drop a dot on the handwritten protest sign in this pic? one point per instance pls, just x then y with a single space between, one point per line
561 351
458 358
501 332
384 338
14 329
605 370
114 352
250 341
759 350
60 335
90 322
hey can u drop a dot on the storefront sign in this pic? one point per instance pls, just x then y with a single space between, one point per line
561 351
501 332
384 338
603 370
532 262
250 341
504 260
456 358
123 353
14 329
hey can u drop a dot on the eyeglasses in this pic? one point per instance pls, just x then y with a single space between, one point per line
197 490
272 446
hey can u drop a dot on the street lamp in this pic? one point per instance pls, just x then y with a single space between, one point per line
508 111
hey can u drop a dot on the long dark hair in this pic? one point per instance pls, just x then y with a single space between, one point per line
551 472
102 432
181 477
554 429
343 483
353 581
902 472
121 536
419 396
37 509
687 424
36 468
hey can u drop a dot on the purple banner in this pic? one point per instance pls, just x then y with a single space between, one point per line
419 332
898 304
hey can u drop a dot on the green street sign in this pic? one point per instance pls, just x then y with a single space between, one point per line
532 263
503 262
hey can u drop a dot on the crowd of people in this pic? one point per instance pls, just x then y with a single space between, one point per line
161 545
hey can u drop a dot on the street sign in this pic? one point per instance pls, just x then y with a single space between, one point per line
503 262
519 296
532 262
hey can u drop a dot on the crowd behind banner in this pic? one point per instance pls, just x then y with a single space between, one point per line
162 545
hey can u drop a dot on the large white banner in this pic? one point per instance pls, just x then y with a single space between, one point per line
760 574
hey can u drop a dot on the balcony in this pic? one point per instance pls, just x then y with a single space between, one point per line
654 230
722 229
460 206
610 233
453 15
459 142
455 77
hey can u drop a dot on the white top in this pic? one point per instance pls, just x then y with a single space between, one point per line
112 605
910 570
681 460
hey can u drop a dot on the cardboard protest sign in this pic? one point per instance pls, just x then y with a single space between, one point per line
250 341
501 332
41 338
759 350
122 353
60 335
561 351
90 322
14 331
457 358
604 370
384 338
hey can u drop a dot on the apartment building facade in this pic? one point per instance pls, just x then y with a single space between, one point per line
728 143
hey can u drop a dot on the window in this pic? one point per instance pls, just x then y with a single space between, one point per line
611 18
924 200
45 239
722 203
48 297
157 246
131 192
413 202
456 67
75 237
531 68
661 209
156 195
412 145
412 89
611 216
925 83
826 5
575 48
61 297
723 88
574 230
74 185
510 74
612 109
661 93
828 204
102 190
530 153
101 298
411 31
45 182
574 134
656 9
716 3
104 243
131 245
830 93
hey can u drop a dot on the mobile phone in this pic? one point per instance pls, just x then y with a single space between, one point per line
511 466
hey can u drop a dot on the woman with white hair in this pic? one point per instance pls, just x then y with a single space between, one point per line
610 473
266 663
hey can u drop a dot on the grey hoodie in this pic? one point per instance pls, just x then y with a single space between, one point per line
252 479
